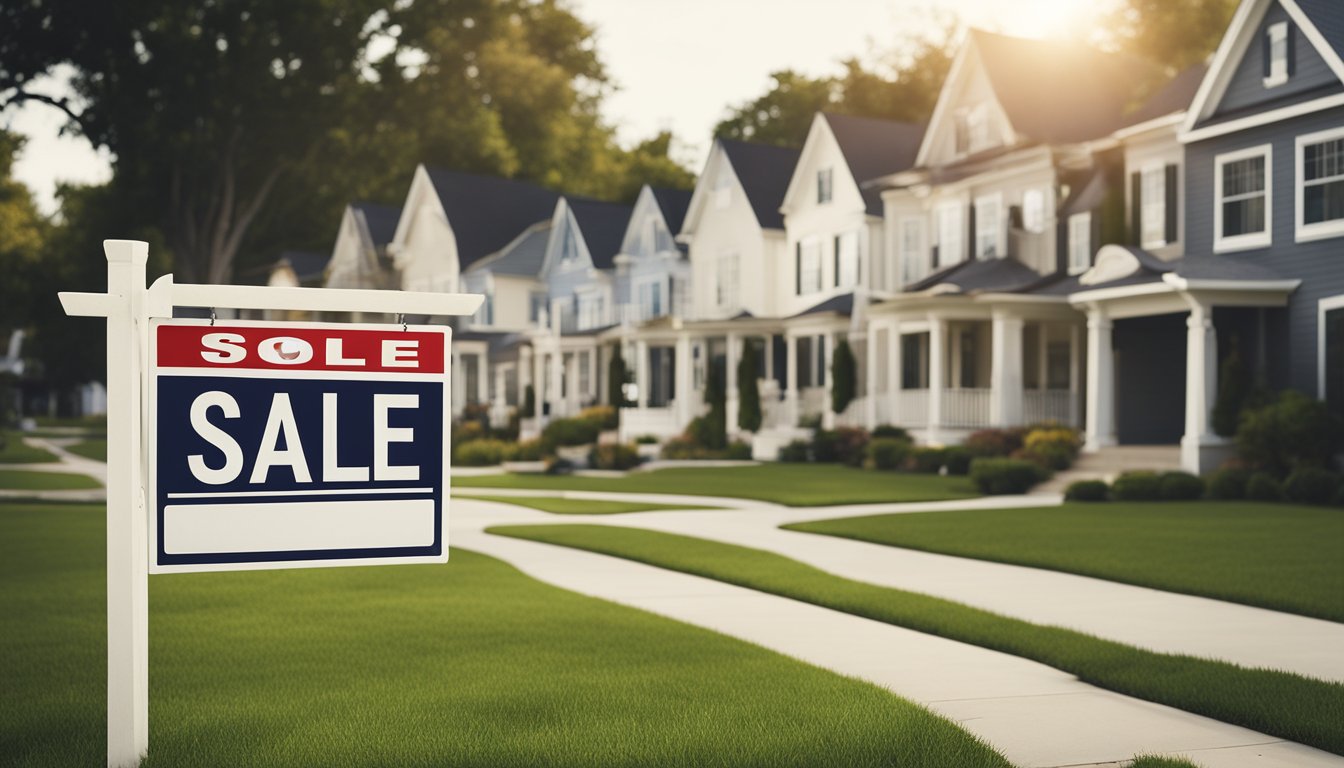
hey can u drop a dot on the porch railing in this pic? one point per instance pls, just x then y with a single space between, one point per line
659 422
1060 405
912 407
965 407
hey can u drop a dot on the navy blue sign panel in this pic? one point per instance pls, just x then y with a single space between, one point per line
297 445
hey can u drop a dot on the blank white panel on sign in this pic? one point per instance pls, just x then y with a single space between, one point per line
299 525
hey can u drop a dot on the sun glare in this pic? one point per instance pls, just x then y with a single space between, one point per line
1048 19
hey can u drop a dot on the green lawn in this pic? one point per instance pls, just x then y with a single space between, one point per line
562 506
469 663
95 449
15 479
1157 761
1278 703
797 485
1281 556
14 451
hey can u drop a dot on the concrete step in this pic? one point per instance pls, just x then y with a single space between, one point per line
1110 462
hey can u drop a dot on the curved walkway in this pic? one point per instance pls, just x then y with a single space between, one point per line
1035 715
66 462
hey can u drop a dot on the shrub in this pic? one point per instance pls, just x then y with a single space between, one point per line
1137 486
738 451
993 442
467 431
957 460
1311 486
795 452
681 448
1053 448
1293 432
613 456
526 450
1180 486
1228 484
844 385
558 466
888 453
845 445
571 432
646 440
925 459
1263 487
998 476
748 390
888 430
810 422
1338 500
606 416
481 453
1087 490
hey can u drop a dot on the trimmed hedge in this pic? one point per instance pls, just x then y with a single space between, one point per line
890 431
845 445
1228 484
1311 486
1263 487
571 432
957 460
1181 486
613 456
482 453
888 453
795 452
1087 490
1137 486
926 459
997 477
994 442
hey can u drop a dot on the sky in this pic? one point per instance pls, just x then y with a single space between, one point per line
677 65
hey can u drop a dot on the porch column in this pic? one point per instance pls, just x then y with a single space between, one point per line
539 381
573 396
828 356
483 377
1005 397
1201 383
1075 348
791 380
870 349
937 349
556 389
594 372
730 362
684 379
1100 381
642 373
894 373
524 376
501 395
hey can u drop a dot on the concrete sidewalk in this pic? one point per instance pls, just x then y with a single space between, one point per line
1035 715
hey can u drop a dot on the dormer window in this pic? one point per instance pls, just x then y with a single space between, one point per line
973 129
569 247
1278 54
824 188
723 190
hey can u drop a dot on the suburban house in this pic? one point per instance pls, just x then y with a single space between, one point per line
652 269
360 258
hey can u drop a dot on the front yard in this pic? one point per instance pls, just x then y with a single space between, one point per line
795 485
1280 556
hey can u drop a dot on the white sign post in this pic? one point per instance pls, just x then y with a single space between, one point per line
129 308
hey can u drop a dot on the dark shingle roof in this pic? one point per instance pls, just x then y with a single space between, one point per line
979 275
523 257
1060 93
840 305
765 172
381 221
309 266
874 148
602 225
486 212
673 203
1328 19
1175 96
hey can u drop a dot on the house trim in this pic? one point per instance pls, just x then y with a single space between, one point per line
1303 232
1322 307
1249 240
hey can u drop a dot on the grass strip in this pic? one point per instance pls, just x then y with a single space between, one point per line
1284 557
95 449
562 506
468 664
1282 704
796 485
19 480
14 451
1160 761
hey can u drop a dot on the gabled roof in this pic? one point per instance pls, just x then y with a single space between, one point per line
308 266
486 212
764 172
980 275
1328 19
381 221
842 304
1171 98
523 257
602 225
673 203
873 148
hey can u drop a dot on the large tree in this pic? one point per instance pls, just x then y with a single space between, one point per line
1175 33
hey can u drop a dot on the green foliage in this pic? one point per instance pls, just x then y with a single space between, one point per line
996 477
1263 486
1233 386
606 416
1293 432
1228 484
571 432
888 430
613 456
844 445
1137 486
646 440
482 453
527 450
1311 485
925 459
957 460
14 451
995 442
888 453
617 377
711 430
738 450
529 409
1173 33
748 390
1087 490
796 452
1054 448
844 384
1180 486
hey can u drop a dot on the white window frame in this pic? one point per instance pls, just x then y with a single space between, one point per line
727 291
1323 229
1153 207
851 280
646 311
591 310
810 246
1033 222
1251 239
914 256
1323 306
1278 54
947 256
982 229
1080 222
825 182
979 128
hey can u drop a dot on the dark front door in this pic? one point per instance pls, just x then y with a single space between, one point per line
1150 379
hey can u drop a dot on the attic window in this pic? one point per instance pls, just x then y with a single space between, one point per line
824 187
973 130
1278 54
723 191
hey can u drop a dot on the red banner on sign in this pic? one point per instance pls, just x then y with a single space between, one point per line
289 348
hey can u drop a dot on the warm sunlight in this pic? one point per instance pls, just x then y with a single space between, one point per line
1059 19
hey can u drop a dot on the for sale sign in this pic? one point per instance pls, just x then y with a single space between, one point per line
275 445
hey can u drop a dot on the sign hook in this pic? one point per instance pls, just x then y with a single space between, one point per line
212 316
401 318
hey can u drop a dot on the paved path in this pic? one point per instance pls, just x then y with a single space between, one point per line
1035 715
66 462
